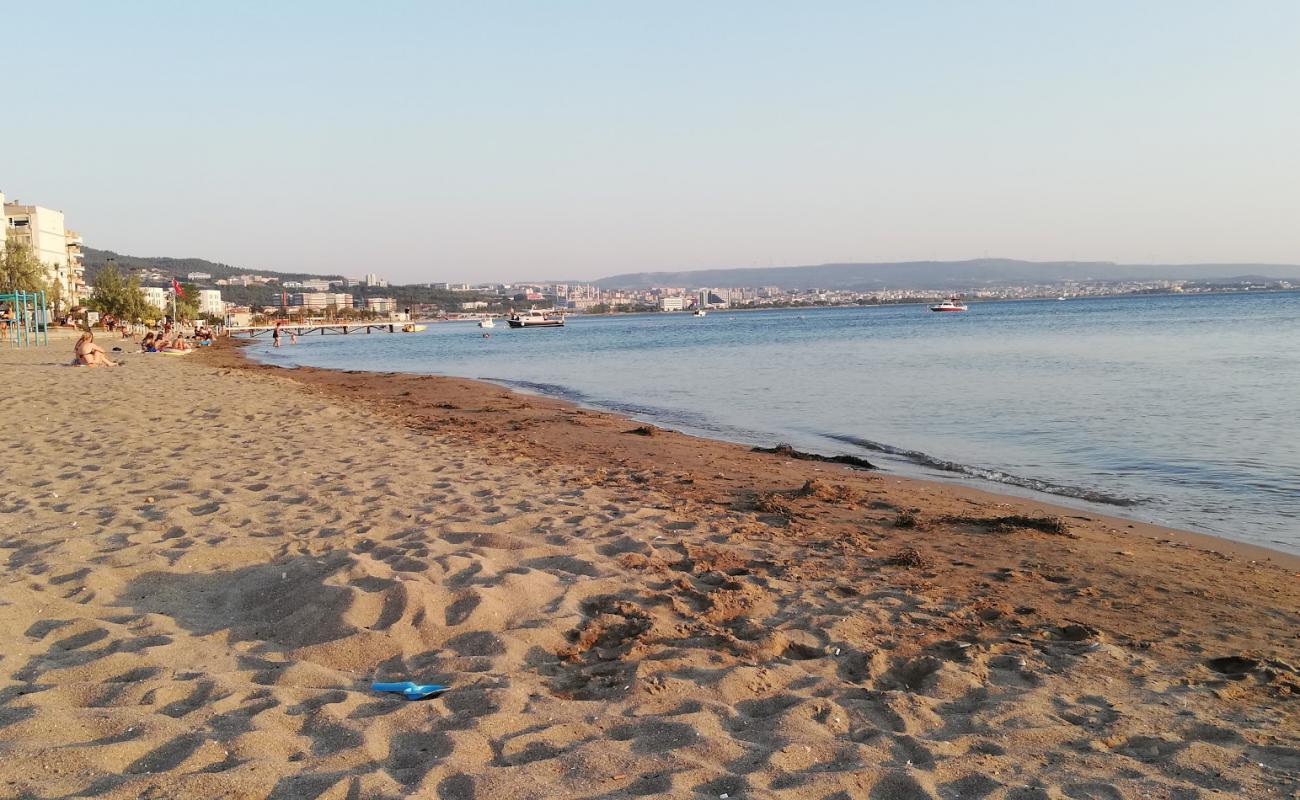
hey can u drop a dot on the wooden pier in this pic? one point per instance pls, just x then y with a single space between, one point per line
323 328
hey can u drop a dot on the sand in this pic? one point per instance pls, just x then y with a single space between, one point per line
206 564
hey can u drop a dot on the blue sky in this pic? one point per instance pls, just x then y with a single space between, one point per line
505 141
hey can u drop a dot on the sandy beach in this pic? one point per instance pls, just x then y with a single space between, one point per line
207 562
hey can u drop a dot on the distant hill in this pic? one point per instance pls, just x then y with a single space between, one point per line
268 294
946 275
95 260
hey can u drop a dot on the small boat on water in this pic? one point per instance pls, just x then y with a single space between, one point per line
951 304
411 327
536 318
699 312
486 322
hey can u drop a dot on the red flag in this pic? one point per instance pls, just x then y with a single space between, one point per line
176 287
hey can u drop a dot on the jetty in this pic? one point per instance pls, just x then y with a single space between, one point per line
323 328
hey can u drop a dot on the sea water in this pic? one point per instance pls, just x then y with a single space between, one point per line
1180 409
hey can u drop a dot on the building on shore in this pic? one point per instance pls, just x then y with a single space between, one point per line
156 296
320 301
43 231
381 305
210 302
672 303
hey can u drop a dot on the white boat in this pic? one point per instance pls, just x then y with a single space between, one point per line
951 304
486 322
536 318
699 312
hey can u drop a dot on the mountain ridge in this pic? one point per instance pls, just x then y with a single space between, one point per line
95 260
966 274
861 276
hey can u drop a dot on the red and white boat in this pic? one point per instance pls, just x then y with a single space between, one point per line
951 304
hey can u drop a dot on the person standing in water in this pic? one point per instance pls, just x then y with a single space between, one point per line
275 334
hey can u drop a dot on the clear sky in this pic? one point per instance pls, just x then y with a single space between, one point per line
499 141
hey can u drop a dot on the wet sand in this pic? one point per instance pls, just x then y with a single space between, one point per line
207 562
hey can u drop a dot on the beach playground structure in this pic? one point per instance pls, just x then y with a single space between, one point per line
24 319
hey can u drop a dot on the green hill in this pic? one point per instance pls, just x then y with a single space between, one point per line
95 260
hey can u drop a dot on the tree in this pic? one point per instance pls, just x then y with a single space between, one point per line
122 299
20 269
54 295
187 305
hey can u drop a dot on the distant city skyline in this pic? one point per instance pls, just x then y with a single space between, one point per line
510 142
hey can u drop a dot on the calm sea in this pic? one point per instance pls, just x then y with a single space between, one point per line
1179 410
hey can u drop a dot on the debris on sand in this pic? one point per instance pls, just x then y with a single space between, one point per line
773 503
643 430
786 451
830 493
1013 522
906 519
909 557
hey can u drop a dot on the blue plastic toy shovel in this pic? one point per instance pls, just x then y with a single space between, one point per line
409 690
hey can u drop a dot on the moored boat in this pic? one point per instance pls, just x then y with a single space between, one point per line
951 304
536 318
411 327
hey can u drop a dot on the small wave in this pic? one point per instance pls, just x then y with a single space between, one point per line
674 419
987 473
547 389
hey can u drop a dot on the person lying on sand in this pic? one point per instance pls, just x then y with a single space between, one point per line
89 354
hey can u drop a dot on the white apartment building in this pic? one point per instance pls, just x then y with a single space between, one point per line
210 301
156 296
319 301
59 249
199 276
316 286
381 305
672 303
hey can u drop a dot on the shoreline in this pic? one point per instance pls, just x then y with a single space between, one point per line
196 602
964 487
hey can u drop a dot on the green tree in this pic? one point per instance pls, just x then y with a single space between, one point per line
54 295
187 305
20 269
121 298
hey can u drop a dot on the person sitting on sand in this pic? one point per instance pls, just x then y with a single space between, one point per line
148 344
89 354
177 345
